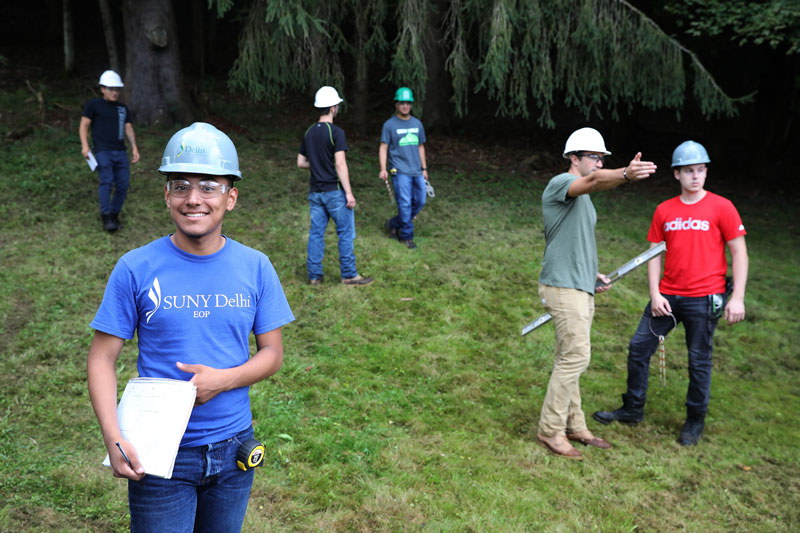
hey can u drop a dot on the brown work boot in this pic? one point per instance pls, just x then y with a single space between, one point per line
357 280
559 445
587 439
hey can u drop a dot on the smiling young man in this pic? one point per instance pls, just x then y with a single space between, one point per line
193 298
568 278
697 226
402 148
110 121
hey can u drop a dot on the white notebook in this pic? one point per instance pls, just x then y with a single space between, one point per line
153 414
91 161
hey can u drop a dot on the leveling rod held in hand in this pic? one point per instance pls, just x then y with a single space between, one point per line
393 172
631 265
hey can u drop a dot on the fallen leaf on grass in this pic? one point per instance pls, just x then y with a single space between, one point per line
406 299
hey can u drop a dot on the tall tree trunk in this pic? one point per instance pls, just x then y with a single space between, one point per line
361 96
108 32
69 36
154 78
437 87
199 11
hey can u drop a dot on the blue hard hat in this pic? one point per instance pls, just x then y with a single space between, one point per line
689 153
201 149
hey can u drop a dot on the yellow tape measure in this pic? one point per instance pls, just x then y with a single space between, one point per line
250 454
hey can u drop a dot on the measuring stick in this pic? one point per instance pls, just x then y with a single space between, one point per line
391 194
631 265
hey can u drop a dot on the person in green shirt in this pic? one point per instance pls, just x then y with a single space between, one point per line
568 280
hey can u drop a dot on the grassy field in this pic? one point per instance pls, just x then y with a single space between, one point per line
411 404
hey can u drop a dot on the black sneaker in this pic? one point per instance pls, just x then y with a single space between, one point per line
108 223
623 415
409 244
390 231
115 220
692 430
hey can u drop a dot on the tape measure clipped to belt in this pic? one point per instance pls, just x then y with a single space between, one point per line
662 355
250 454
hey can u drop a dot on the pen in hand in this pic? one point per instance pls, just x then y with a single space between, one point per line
124 456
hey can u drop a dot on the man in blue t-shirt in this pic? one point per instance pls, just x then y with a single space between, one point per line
110 121
403 149
322 150
192 298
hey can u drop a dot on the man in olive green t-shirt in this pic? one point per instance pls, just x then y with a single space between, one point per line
568 281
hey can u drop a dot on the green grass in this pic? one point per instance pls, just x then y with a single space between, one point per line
411 404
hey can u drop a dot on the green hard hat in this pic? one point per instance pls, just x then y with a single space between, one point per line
403 94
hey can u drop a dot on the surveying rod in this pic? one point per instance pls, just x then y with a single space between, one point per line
631 265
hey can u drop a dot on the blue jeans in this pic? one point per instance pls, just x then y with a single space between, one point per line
322 207
113 169
409 191
699 322
207 492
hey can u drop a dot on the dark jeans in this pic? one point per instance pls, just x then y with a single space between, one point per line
699 321
410 193
113 169
207 492
323 206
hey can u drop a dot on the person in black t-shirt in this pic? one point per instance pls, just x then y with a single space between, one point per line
322 151
110 121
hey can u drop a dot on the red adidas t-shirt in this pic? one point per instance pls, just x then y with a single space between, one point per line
695 234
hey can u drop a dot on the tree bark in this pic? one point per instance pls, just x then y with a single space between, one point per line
361 94
198 36
437 87
69 36
155 92
108 32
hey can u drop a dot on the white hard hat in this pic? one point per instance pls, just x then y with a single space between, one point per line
110 78
585 140
327 97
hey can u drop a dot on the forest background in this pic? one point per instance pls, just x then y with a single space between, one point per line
412 405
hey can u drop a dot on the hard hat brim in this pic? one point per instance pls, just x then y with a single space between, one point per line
193 168
320 105
565 155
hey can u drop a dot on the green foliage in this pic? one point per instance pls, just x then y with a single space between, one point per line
596 55
284 45
408 59
299 44
775 23
223 6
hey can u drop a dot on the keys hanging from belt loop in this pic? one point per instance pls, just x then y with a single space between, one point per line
662 352
662 361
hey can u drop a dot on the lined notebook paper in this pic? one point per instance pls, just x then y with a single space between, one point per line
153 414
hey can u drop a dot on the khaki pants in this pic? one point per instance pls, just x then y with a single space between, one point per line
572 312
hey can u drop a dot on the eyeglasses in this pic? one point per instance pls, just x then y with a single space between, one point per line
206 189
596 157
